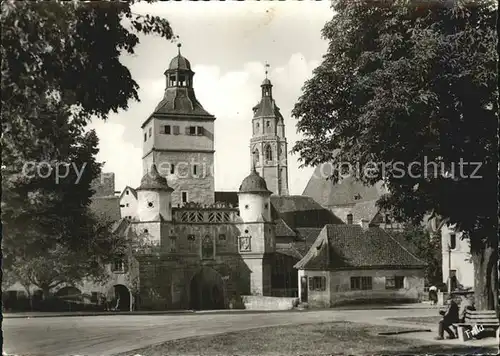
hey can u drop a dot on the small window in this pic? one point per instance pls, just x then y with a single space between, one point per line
172 168
176 130
266 206
246 231
191 238
317 283
222 237
145 137
268 124
195 169
167 130
150 204
126 205
361 283
246 206
122 206
399 282
453 241
192 130
146 231
184 196
349 219
200 130
150 131
126 192
118 265
390 282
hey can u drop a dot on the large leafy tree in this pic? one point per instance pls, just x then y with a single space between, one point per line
60 68
404 84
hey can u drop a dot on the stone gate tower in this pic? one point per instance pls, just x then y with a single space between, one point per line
179 138
268 145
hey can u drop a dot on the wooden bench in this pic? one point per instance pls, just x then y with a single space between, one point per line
483 319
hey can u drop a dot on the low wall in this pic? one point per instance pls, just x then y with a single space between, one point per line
254 302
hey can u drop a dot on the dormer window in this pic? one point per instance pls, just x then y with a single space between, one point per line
349 219
126 192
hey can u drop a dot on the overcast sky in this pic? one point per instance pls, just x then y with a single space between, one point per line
227 44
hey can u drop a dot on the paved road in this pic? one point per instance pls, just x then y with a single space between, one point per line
107 335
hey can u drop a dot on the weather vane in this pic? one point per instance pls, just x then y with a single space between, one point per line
179 47
267 67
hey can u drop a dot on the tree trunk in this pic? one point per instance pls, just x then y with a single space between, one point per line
45 292
485 277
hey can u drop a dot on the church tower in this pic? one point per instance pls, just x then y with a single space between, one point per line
179 138
268 146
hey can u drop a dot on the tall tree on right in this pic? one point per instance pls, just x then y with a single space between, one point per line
408 90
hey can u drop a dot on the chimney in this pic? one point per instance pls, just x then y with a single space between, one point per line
364 224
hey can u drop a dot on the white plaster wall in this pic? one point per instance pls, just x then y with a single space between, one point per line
131 209
460 258
258 205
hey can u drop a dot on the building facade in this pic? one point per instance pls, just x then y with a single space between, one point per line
456 258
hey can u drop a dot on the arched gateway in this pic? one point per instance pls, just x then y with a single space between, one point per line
207 290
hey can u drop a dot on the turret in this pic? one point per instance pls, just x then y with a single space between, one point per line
254 199
154 197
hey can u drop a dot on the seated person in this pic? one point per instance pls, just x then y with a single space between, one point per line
450 316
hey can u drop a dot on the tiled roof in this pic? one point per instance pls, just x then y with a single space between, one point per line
366 210
108 207
283 230
348 191
288 249
227 197
300 211
350 246
132 190
181 101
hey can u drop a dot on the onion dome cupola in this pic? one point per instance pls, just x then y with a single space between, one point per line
179 97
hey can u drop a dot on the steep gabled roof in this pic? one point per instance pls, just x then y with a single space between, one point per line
346 192
132 190
351 247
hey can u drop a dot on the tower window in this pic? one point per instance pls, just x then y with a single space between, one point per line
184 197
453 241
146 231
349 219
145 137
126 192
176 130
150 204
246 206
182 79
199 130
172 80
172 168
269 153
195 169
126 205
246 231
265 206
167 130
150 131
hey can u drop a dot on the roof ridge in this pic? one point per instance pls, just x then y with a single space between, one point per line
404 248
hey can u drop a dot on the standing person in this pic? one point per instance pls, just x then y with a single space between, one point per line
433 295
450 316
